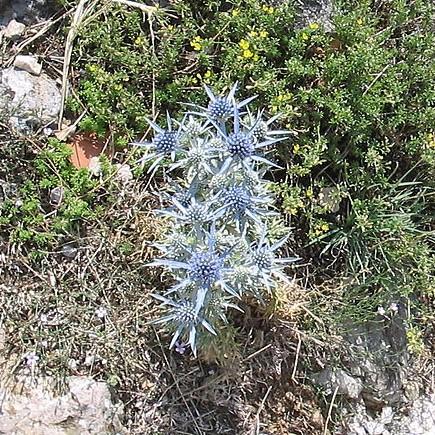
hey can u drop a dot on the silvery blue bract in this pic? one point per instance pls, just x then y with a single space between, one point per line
220 210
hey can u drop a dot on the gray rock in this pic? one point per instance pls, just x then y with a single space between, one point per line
14 30
378 355
338 379
417 418
315 11
69 251
29 64
27 101
7 190
32 408
56 196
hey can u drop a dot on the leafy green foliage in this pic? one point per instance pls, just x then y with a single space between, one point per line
32 217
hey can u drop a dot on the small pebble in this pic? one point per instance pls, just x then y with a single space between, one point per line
14 30
29 64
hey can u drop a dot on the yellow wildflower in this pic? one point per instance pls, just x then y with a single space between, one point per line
268 9
244 44
309 193
253 33
196 43
304 36
170 27
313 26
235 12
139 41
256 57
207 74
324 227
248 54
264 34
296 148
359 21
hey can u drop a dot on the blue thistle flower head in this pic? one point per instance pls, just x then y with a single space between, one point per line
263 258
197 213
260 131
236 199
240 145
220 108
185 312
166 142
184 197
205 268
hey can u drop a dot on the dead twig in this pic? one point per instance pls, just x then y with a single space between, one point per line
298 349
260 408
145 8
328 417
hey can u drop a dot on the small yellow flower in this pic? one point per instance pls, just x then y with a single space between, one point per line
253 33
296 148
139 41
309 193
196 43
324 227
360 21
207 74
170 27
247 54
268 9
244 44
264 34
305 36
313 26
431 140
256 57
235 12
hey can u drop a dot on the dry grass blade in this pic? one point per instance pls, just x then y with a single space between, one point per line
328 418
260 408
142 7
79 16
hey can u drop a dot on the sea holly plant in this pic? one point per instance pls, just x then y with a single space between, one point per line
221 244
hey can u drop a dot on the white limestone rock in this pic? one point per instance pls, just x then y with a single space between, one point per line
28 101
86 408
29 64
14 30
